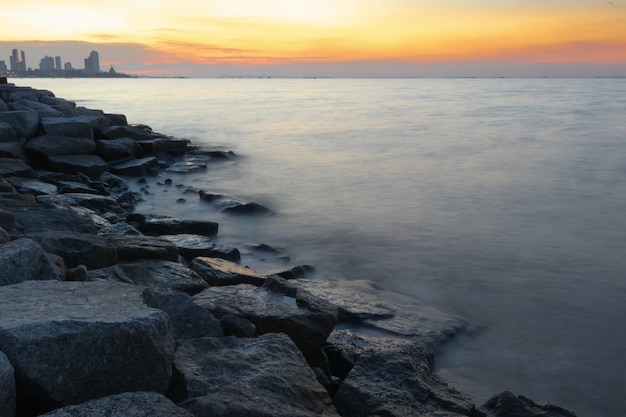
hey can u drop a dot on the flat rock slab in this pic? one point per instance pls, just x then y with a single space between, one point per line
174 276
164 225
93 251
35 219
90 165
71 342
48 145
12 167
135 167
266 376
22 260
192 246
219 272
131 248
128 404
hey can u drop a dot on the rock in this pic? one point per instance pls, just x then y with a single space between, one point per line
79 273
174 276
93 251
294 272
7 219
218 272
189 164
24 259
7 387
163 225
71 342
48 145
189 320
43 110
31 186
307 321
85 125
90 165
39 220
5 237
232 205
12 167
24 123
121 148
7 134
237 326
116 132
128 404
117 119
506 404
120 228
193 246
265 376
105 206
131 248
129 273
134 167
393 377
11 149
69 187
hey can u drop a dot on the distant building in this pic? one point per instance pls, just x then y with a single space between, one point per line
67 66
57 63
3 67
92 63
47 63
17 64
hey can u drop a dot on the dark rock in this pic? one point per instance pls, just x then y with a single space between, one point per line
393 377
131 248
24 123
128 404
189 320
163 225
189 164
12 149
98 339
119 149
68 187
107 207
307 321
43 110
7 134
11 167
265 376
38 220
192 246
5 237
116 132
117 119
237 326
174 276
24 259
218 272
68 126
7 387
90 165
129 273
295 272
506 404
134 167
120 228
7 219
78 248
232 205
31 186
48 145
79 274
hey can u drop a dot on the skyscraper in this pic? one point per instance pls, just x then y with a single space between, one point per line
92 63
17 64
57 63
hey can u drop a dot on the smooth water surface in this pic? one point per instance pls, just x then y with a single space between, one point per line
499 200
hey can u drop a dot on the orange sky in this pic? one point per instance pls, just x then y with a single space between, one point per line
169 35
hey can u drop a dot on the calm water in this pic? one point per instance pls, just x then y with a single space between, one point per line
500 200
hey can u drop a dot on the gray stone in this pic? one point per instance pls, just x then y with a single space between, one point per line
11 167
7 134
115 132
120 228
119 149
266 376
31 186
72 342
68 127
233 205
48 145
189 320
105 206
24 123
131 248
128 404
193 246
218 272
12 150
174 276
43 110
307 321
237 326
39 220
7 387
93 251
7 218
134 167
90 165
24 259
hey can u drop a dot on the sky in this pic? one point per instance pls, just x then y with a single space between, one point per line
324 37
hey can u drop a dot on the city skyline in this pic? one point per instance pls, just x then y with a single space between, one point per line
323 37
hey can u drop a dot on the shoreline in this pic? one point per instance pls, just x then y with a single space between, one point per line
356 349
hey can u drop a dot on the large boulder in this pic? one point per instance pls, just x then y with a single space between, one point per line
218 272
128 404
32 186
43 110
506 404
90 250
105 206
192 246
24 123
12 167
135 167
131 248
119 149
164 225
22 260
174 276
233 205
134 132
48 145
266 376
7 134
7 387
273 309
90 165
36 219
71 342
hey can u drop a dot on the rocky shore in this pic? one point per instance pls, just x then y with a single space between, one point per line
107 311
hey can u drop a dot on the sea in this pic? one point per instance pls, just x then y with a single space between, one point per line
499 200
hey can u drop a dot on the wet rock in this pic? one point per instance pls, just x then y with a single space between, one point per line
39 220
174 276
69 187
24 259
71 342
295 272
265 376
24 123
7 387
189 320
12 167
31 186
120 228
105 206
232 205
193 246
506 404
134 167
218 272
128 404
90 165
164 225
90 250
121 148
189 164
48 145
131 248
307 321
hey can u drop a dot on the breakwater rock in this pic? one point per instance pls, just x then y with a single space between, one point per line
105 311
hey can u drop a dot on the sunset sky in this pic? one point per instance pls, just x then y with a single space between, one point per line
324 37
